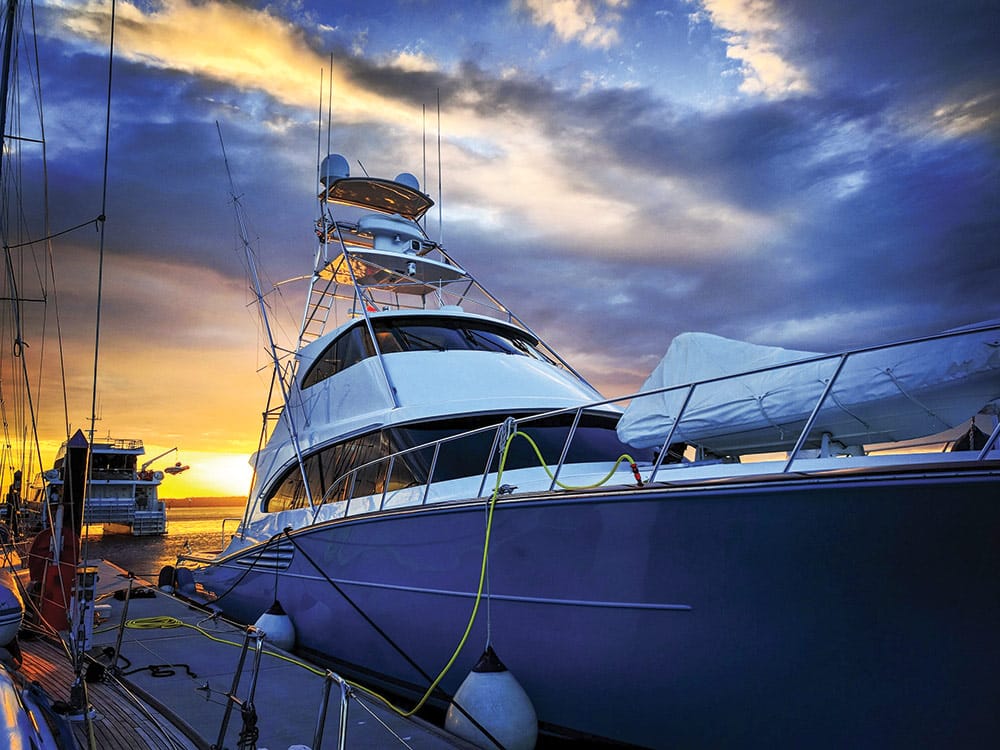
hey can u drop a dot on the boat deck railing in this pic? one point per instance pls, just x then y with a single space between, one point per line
119 444
346 487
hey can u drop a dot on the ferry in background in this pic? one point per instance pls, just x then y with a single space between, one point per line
122 495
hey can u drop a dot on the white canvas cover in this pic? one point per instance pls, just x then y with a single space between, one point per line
892 394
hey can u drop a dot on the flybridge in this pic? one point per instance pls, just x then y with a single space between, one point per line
375 256
400 196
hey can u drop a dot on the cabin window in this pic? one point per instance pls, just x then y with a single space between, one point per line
348 349
451 334
328 470
595 440
414 334
112 465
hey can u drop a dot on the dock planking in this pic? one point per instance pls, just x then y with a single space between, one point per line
168 688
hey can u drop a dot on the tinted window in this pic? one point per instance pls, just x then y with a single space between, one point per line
348 349
453 334
325 467
595 440
420 334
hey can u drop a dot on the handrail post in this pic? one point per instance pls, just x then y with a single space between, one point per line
388 477
344 694
231 697
350 493
321 716
990 443
430 473
565 451
670 434
815 413
489 458
345 691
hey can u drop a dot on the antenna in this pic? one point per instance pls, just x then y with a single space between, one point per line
319 134
423 143
329 108
440 199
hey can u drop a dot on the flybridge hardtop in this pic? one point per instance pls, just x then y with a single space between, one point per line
384 250
400 196
374 254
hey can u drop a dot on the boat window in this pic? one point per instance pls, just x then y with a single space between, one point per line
348 349
453 334
111 465
414 334
329 470
595 439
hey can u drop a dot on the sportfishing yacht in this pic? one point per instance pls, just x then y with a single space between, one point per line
745 553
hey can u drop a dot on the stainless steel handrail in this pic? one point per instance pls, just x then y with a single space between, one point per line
578 411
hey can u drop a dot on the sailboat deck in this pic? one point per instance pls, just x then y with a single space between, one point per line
115 722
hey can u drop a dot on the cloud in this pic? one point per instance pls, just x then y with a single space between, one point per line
755 37
166 349
774 207
937 65
252 50
592 23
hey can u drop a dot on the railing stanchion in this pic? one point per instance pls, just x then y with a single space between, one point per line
489 458
815 413
430 473
670 435
328 679
991 442
565 450
231 697
121 625
388 478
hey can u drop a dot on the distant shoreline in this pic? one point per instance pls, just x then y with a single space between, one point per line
203 502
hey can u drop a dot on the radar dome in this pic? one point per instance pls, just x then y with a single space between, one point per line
409 180
334 167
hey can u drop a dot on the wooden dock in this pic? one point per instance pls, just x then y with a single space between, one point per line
169 687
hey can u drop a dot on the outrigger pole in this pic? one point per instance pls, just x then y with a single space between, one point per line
265 319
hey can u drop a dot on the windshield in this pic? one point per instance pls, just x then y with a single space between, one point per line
419 333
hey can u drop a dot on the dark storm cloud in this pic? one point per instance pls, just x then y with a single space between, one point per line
919 49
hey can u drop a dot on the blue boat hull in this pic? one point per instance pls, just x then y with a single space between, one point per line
838 612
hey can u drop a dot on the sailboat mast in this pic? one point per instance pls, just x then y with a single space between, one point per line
8 43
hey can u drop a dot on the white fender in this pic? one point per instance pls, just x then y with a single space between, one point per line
496 700
277 626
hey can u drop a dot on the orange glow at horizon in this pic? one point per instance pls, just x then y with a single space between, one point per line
209 475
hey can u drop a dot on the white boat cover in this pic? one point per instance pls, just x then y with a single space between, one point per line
898 393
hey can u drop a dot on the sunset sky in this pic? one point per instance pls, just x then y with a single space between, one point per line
814 174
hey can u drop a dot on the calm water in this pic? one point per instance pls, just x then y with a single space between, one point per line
201 527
